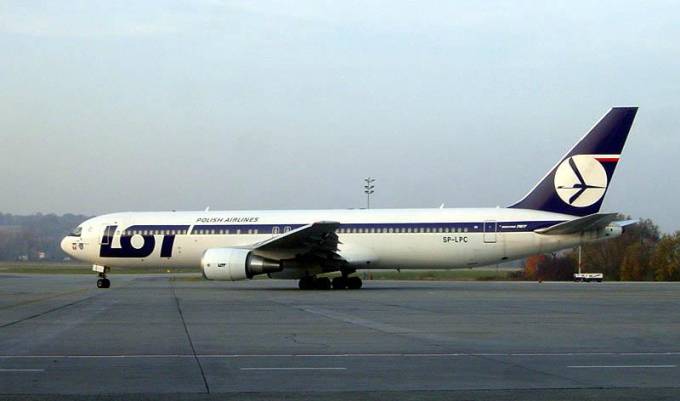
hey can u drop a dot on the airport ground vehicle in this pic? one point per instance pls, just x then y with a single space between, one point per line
588 277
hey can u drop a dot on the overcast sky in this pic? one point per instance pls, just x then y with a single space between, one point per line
144 105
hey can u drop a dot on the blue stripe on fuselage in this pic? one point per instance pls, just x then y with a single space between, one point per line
501 227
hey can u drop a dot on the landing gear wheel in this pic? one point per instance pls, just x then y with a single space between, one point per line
339 283
322 283
306 283
354 283
103 283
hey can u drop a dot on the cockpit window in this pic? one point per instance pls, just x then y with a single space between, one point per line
76 232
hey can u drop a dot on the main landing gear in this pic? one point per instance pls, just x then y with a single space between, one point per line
324 283
102 282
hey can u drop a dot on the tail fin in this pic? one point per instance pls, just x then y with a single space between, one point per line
579 181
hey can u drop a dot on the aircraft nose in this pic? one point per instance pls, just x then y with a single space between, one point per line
66 245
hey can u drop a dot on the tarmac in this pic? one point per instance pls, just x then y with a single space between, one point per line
182 338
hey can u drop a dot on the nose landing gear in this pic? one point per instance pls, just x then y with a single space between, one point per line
102 282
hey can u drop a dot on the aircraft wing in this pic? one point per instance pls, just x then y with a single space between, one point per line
317 239
581 224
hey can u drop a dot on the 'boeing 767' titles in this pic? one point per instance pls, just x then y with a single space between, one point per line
561 211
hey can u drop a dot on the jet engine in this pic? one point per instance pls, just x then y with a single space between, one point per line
235 264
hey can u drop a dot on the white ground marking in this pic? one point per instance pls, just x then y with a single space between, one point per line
299 368
620 366
22 370
350 355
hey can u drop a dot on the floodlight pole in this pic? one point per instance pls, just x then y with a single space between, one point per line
579 259
368 190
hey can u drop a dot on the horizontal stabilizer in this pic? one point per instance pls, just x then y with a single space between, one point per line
625 223
587 223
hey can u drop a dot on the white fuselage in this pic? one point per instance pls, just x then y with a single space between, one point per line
375 239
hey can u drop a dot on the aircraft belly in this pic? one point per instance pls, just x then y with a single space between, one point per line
417 251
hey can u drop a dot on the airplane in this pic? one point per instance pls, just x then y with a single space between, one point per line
562 211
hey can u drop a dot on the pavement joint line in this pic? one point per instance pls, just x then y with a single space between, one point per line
46 298
55 309
94 295
346 355
296 368
191 343
622 366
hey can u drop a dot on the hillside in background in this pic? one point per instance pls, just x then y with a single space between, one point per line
35 236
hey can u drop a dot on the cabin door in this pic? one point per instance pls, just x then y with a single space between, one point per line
490 228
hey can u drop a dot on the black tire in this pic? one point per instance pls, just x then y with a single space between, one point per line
339 283
306 283
354 283
107 283
323 283
100 283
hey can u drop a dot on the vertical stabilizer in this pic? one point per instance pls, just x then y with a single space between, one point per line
579 181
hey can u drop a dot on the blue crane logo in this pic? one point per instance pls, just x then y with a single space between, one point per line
580 180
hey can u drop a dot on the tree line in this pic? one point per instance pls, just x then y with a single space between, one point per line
31 236
641 253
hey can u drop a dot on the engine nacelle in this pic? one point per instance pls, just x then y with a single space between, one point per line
235 264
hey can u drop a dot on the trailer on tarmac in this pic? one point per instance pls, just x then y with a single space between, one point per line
586 277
